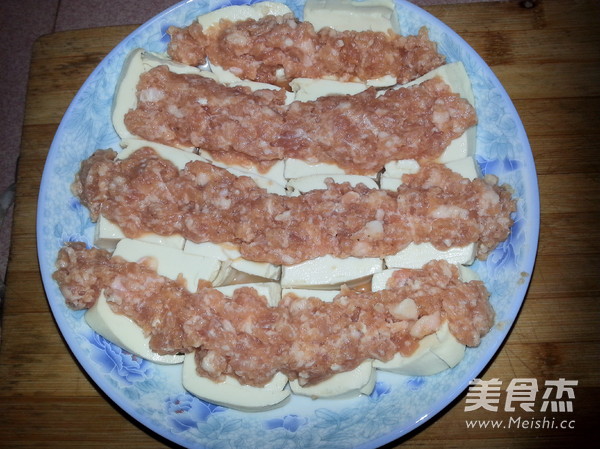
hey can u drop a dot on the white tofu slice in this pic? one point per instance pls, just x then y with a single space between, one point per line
455 75
273 180
380 280
328 272
415 255
467 274
138 62
230 393
270 290
467 167
366 15
298 186
229 254
237 13
125 333
297 168
170 263
229 79
176 156
308 89
107 235
391 178
397 169
360 380
436 353
461 147
323 295
342 15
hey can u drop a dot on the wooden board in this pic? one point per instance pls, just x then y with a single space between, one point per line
547 57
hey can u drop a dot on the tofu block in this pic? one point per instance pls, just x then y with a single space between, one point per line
380 280
136 63
169 262
236 13
107 235
297 168
391 178
342 15
415 255
467 167
467 274
461 147
229 79
270 290
323 295
298 186
140 61
125 333
230 393
328 272
360 380
176 156
273 180
436 353
308 89
455 75
229 254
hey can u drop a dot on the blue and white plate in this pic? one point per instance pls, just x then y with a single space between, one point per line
153 394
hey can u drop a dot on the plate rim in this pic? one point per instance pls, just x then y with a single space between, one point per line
533 218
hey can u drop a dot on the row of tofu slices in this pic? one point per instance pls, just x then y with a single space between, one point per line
222 264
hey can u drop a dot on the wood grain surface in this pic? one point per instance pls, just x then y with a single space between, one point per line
548 59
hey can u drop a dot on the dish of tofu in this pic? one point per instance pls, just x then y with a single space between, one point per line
376 401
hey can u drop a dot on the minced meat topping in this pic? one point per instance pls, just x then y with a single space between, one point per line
359 133
204 203
258 49
304 338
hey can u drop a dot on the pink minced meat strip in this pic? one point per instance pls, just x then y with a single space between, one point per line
359 133
256 49
204 203
304 338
